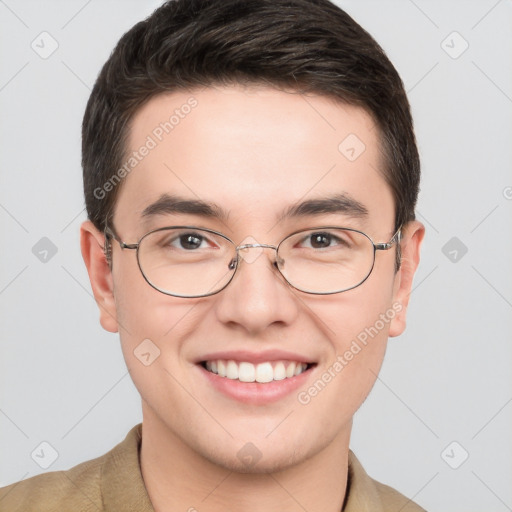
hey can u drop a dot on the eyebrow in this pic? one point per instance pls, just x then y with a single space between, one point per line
167 204
339 203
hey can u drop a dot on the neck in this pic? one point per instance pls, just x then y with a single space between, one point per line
178 478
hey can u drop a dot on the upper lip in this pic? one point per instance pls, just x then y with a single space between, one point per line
255 357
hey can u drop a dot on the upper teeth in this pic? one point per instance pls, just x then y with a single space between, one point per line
262 372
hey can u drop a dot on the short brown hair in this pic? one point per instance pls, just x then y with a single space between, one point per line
309 46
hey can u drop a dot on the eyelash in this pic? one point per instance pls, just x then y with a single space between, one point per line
334 240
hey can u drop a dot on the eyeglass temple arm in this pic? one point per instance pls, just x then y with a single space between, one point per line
395 239
109 233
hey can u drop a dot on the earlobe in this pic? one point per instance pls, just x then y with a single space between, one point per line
412 237
100 274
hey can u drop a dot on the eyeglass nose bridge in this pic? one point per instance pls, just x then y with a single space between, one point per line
249 246
251 259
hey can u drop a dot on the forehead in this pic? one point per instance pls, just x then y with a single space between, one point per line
253 151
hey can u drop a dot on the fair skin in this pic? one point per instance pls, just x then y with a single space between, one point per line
253 152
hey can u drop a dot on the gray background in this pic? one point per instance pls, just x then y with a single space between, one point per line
448 378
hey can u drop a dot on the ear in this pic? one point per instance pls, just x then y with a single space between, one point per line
412 236
100 274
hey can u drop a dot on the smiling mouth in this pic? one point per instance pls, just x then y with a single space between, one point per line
262 372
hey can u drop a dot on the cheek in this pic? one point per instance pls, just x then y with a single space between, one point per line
149 321
359 333
142 311
363 313
152 337
357 326
358 338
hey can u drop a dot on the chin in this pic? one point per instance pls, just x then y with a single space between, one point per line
261 463
261 456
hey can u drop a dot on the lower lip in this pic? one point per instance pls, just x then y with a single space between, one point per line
256 393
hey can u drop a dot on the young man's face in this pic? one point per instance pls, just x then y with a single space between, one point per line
255 153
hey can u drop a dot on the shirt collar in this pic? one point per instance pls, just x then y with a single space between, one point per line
361 494
123 485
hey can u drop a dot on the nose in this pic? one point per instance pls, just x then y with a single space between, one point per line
258 296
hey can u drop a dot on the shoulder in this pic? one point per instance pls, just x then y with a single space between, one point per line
393 500
365 493
76 489
110 482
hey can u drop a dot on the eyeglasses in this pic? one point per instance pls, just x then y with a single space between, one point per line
190 262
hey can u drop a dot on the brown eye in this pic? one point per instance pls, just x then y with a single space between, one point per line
323 240
320 240
190 241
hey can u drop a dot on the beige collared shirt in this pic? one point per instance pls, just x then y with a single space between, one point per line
113 483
